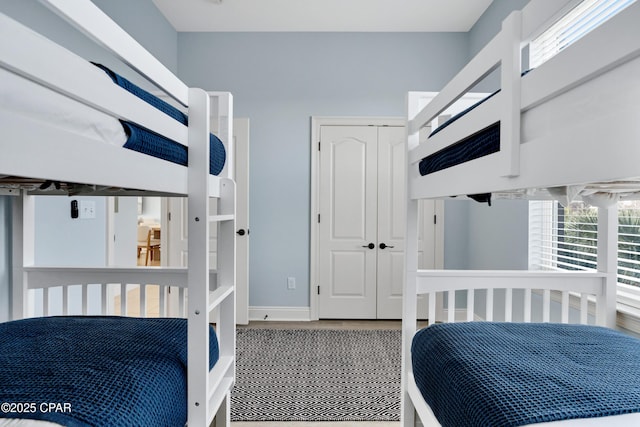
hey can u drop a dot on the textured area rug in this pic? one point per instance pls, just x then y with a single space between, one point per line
317 375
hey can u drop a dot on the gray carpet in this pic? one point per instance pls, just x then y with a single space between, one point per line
317 375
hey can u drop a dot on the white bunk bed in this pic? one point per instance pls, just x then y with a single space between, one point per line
569 124
38 147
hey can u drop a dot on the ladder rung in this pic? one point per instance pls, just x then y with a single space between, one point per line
220 218
219 295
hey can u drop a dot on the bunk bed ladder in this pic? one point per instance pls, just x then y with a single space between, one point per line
204 386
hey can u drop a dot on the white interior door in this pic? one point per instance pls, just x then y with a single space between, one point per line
177 242
362 202
348 222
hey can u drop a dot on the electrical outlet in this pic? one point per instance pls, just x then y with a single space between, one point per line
87 209
291 282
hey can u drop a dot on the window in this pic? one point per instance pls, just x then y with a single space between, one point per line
566 239
579 21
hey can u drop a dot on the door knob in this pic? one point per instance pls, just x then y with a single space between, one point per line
383 245
241 232
370 246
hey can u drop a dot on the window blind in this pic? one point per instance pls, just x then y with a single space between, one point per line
579 21
566 238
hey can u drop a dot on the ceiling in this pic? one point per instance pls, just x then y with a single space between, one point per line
323 15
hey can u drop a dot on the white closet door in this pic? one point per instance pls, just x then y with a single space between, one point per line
391 221
391 225
348 222
361 200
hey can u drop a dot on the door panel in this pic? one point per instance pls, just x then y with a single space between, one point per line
348 221
391 220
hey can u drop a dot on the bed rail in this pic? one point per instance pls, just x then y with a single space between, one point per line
518 94
114 291
523 295
91 21
504 51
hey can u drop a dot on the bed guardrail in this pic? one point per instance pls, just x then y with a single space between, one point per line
92 22
109 284
548 81
525 295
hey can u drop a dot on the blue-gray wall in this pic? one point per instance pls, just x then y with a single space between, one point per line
281 80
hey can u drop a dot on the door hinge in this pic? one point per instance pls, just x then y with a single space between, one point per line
318 218
435 219
319 145
169 216
318 289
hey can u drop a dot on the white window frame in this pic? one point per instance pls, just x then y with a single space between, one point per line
543 247
584 17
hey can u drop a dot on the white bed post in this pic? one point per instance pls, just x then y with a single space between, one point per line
409 296
23 252
607 264
223 102
226 250
510 87
198 263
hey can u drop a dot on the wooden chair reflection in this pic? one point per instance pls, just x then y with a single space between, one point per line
147 242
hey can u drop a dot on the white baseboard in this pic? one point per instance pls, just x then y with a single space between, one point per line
298 314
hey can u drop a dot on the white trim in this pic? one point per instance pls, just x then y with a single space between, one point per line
286 314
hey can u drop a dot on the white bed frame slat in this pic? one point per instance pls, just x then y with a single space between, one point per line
508 305
565 307
65 300
85 298
103 299
584 308
546 305
123 299
527 305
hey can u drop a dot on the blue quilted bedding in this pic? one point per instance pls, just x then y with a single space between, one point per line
147 142
482 143
513 374
103 371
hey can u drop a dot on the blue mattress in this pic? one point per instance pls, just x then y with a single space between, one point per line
102 371
147 142
480 144
513 374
